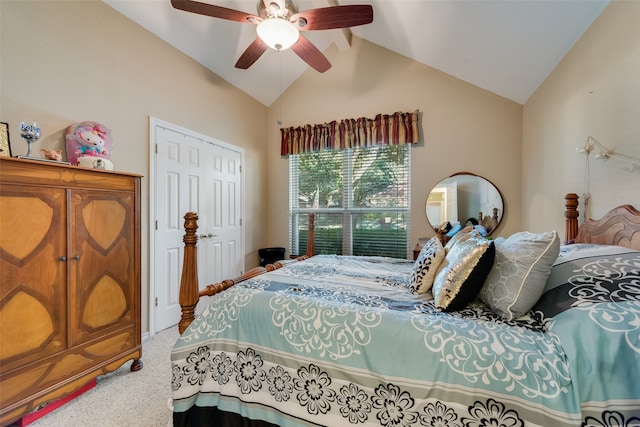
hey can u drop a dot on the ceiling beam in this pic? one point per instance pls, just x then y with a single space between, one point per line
341 37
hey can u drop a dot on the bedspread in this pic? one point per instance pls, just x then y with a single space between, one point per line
340 340
592 304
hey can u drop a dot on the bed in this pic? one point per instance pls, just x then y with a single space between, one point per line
339 340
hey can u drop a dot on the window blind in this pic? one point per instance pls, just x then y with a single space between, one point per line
360 197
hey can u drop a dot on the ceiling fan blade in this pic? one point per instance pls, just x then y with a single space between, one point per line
215 11
328 18
311 55
251 54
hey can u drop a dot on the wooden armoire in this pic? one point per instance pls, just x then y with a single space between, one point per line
69 280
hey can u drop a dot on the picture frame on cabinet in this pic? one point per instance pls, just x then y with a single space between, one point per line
5 146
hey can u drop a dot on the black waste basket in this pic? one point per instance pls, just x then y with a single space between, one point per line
270 255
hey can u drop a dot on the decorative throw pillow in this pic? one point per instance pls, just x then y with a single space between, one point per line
523 263
426 265
461 235
462 273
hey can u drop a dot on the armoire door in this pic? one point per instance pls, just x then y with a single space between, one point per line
102 271
33 275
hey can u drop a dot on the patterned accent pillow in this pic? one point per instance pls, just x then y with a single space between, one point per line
460 236
522 266
462 273
426 265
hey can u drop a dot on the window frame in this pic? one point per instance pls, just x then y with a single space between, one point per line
297 213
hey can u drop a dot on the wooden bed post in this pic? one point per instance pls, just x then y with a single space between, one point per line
311 247
189 290
571 217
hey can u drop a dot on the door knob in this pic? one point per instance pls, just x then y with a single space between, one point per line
207 236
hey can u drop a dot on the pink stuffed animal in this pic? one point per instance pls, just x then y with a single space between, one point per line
88 139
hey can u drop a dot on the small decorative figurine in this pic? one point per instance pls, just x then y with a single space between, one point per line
88 139
52 154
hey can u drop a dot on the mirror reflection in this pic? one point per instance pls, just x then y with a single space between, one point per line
463 199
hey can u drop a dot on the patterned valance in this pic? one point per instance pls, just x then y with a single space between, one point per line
385 129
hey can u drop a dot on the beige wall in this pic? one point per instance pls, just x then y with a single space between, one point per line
463 128
65 62
594 91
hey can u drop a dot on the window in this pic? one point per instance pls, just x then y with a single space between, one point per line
360 198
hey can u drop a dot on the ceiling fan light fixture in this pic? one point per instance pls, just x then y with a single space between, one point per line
277 24
277 33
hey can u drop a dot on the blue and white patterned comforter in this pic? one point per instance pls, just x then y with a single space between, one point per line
338 340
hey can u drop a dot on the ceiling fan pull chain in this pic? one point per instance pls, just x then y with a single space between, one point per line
280 89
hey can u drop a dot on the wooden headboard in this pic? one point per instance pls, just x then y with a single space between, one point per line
490 222
620 226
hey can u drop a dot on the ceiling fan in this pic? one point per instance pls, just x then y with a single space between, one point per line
279 24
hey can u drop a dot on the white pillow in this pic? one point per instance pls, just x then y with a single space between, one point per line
521 268
426 265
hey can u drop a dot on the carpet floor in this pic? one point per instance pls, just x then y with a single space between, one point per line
123 398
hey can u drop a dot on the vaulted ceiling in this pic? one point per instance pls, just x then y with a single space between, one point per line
505 46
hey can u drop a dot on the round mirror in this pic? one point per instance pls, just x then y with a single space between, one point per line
465 197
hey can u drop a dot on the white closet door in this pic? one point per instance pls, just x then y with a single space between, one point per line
192 174
223 258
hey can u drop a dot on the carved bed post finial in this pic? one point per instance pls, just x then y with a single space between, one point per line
571 217
189 282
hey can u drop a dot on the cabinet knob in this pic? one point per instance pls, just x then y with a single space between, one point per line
77 257
62 258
